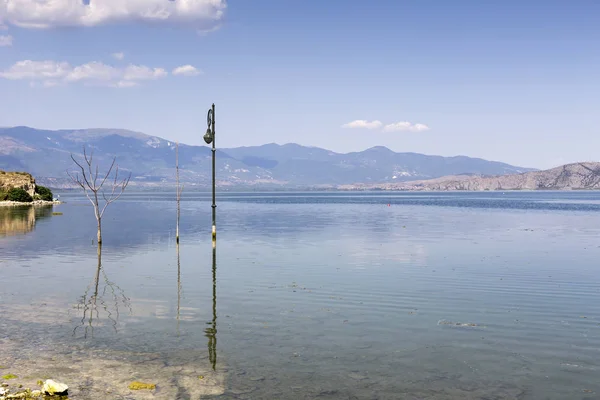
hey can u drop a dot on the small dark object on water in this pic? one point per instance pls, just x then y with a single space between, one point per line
57 213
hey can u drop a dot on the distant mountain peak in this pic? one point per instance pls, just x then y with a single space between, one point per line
380 149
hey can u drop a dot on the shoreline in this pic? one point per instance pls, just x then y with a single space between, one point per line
34 203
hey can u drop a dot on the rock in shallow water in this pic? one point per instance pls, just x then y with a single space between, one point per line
54 388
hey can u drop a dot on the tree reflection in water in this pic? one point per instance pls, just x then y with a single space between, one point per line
93 304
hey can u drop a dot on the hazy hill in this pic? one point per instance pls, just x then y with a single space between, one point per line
46 154
577 176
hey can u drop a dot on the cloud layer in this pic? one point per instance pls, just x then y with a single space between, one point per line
53 73
40 14
6 40
393 127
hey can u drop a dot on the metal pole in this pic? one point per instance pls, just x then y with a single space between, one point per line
214 203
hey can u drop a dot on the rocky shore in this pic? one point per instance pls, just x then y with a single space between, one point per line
49 389
33 203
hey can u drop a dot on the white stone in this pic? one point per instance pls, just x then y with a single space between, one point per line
51 387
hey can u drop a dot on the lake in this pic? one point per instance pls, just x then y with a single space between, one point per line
358 295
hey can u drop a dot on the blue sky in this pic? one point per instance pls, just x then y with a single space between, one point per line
512 81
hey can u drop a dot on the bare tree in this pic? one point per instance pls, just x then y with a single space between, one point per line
89 179
179 190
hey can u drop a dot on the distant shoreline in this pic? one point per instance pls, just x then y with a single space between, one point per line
31 203
283 189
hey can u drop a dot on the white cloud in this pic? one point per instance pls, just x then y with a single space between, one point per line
186 70
405 126
143 73
40 14
6 40
36 70
361 123
420 127
118 56
52 73
92 71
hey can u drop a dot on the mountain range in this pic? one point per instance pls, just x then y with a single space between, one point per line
575 176
151 161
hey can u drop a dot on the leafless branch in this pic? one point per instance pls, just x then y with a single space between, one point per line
87 178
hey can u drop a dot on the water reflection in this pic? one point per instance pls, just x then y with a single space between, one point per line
178 287
21 220
211 331
92 305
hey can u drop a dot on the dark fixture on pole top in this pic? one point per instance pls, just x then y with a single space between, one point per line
209 137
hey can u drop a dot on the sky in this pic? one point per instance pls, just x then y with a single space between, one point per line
513 81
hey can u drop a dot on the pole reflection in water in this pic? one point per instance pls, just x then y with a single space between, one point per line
211 332
178 287
89 303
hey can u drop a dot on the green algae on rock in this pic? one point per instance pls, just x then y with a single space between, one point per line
141 386
9 376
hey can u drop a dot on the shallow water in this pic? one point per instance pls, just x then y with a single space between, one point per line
315 295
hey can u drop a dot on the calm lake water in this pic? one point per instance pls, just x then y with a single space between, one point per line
308 295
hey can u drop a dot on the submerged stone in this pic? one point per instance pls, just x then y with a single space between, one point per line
54 388
142 386
22 395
